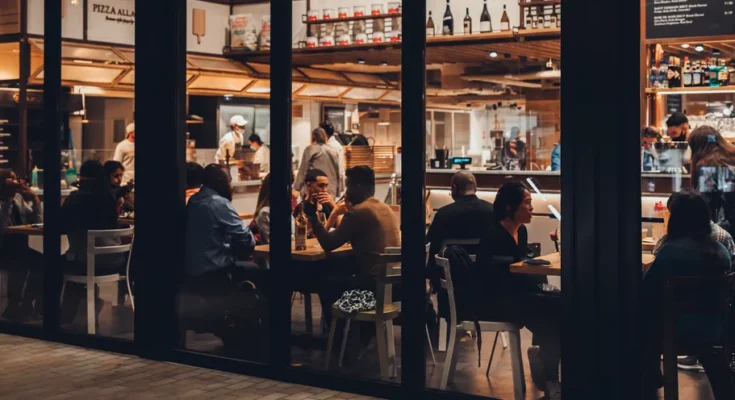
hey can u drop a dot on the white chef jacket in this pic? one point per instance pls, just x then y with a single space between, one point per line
125 154
228 142
263 157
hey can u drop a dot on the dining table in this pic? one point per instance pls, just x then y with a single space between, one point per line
313 252
554 266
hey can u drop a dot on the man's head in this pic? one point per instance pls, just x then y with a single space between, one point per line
194 175
360 184
463 184
130 132
316 181
650 134
255 141
216 178
678 127
91 174
237 123
328 128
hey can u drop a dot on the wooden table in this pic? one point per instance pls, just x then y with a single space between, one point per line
555 268
648 244
27 230
313 251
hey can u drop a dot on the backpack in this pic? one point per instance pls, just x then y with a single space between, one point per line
463 273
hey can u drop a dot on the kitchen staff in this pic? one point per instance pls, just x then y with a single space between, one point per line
231 139
125 153
262 152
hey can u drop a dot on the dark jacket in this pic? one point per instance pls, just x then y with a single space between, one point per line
467 218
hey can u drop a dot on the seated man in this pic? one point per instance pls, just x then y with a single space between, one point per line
467 218
316 197
194 173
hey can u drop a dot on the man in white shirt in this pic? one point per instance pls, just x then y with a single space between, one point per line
231 139
262 153
334 143
125 153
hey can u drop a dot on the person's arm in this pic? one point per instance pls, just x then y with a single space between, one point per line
344 233
263 221
226 216
299 179
335 217
118 153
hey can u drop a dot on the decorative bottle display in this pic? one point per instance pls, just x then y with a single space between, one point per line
301 228
539 17
723 75
687 72
448 22
554 18
663 73
547 20
504 21
430 29
467 23
697 74
673 75
558 19
485 25
705 72
529 18
731 73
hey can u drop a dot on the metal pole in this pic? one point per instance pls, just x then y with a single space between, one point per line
413 217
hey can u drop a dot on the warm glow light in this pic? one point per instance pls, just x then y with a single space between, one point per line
699 48
493 54
685 46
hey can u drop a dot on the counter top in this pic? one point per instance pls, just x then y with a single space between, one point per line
247 183
493 172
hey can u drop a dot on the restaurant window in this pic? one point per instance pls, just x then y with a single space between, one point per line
687 176
494 181
223 304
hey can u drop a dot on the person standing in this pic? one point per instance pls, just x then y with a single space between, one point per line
649 136
677 127
334 143
231 139
320 156
262 153
125 154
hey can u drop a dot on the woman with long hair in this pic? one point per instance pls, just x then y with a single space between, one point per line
318 155
688 250
713 173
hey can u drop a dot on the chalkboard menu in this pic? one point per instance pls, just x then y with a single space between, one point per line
685 18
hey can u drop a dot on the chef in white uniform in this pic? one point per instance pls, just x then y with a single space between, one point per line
262 152
125 153
231 139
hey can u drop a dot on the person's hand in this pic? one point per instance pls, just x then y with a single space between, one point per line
325 199
340 208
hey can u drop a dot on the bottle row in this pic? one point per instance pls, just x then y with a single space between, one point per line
542 18
710 72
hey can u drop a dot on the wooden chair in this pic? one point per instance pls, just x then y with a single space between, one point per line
382 316
514 331
91 278
721 288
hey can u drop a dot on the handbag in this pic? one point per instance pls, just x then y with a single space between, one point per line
353 301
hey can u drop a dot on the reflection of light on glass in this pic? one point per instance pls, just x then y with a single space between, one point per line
553 209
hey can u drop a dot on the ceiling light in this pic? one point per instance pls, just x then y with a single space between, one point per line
685 46
383 123
699 48
385 64
716 52
493 54
361 61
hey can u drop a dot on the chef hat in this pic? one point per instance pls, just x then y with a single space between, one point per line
238 120
130 129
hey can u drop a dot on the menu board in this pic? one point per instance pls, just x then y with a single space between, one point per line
685 18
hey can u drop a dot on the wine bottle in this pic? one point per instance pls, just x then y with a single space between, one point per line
467 23
554 18
558 20
448 22
697 74
547 21
705 73
529 18
724 74
687 73
540 16
485 25
430 29
534 20
504 21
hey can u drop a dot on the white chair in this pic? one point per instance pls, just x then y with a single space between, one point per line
428 292
90 280
514 330
382 316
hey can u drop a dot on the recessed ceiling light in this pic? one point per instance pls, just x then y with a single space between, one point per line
384 63
361 61
699 48
685 46
493 54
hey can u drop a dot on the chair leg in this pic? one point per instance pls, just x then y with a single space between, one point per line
330 341
91 314
391 339
63 289
344 341
293 298
382 343
431 348
450 362
492 354
443 329
504 338
307 314
516 359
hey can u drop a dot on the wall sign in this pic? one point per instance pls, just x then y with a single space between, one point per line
685 18
111 21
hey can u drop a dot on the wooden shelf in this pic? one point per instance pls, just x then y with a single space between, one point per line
537 3
692 90
349 19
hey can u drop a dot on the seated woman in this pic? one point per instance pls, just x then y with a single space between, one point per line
113 172
505 296
688 250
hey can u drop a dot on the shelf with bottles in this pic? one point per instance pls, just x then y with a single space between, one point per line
349 19
685 68
540 14
692 90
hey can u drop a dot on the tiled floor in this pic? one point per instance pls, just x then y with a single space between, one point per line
34 369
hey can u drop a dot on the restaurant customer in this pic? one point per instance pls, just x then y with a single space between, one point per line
505 296
333 142
262 153
113 172
125 153
649 136
688 250
713 174
320 156
317 198
19 206
194 174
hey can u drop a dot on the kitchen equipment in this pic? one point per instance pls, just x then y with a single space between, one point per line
198 23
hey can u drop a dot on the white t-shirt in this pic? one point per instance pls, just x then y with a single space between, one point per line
263 157
125 154
228 142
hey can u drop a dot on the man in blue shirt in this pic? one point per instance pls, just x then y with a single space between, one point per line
215 233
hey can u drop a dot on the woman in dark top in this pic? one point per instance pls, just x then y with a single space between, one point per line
688 250
713 174
517 297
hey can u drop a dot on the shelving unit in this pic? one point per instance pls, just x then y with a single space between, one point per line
531 4
692 90
351 19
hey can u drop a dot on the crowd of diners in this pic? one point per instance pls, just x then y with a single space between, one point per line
219 244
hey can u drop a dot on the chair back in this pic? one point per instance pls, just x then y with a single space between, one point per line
93 249
699 295
389 273
448 285
470 242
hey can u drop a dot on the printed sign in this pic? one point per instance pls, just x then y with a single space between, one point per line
686 18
